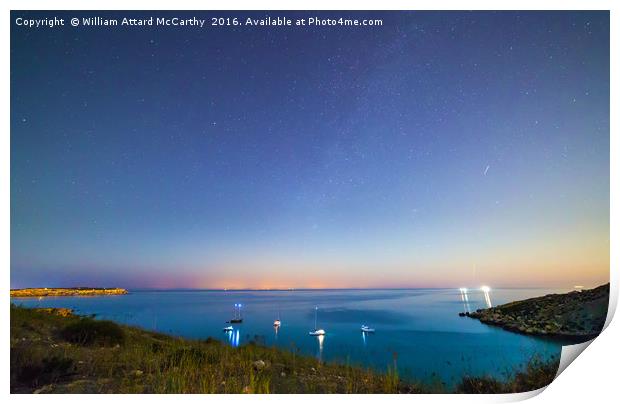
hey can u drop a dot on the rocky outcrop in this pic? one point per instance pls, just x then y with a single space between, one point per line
62 312
576 316
37 292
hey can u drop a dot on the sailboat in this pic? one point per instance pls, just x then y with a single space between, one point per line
227 329
277 322
317 331
366 329
237 318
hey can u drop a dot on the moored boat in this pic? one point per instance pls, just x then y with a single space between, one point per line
366 329
277 322
316 331
237 316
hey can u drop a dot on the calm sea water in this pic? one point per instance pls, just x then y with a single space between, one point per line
419 327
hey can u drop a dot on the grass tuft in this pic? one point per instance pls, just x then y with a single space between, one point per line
86 331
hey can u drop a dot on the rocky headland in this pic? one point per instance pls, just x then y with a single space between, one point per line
575 316
82 291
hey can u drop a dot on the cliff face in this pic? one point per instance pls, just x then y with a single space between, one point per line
36 292
578 316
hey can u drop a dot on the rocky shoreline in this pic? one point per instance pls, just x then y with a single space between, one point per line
576 316
82 291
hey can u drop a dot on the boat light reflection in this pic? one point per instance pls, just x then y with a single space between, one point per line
465 299
233 337
486 290
320 338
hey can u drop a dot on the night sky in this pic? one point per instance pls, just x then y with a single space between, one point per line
441 149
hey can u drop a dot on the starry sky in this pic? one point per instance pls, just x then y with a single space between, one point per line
441 149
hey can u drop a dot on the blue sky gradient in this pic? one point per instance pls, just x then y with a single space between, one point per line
440 149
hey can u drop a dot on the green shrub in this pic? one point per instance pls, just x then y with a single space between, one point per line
87 331
538 374
480 385
48 370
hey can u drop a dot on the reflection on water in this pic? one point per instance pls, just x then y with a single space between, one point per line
276 328
320 338
465 300
486 291
233 337
487 298
364 338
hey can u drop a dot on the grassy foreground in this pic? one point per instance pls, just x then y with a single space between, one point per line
53 351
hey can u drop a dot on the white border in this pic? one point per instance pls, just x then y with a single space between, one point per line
592 380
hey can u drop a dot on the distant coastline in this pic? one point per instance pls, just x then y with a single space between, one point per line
80 291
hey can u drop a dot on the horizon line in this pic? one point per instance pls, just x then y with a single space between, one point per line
189 289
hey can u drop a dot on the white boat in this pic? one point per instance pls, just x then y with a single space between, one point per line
317 331
227 329
277 322
366 329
